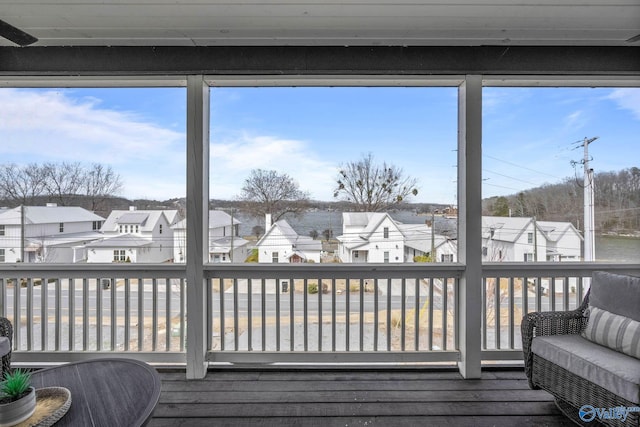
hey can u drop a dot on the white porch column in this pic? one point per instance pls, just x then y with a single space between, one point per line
197 223
470 224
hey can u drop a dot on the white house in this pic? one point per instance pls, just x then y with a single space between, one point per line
370 237
420 241
224 243
281 244
376 237
517 239
51 233
564 241
142 236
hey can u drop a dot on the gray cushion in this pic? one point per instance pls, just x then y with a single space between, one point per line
607 368
5 347
616 332
616 293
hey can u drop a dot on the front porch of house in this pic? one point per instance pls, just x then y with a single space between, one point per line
347 397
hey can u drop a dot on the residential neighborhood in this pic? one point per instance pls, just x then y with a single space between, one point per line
68 234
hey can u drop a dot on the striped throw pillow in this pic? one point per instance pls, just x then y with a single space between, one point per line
611 330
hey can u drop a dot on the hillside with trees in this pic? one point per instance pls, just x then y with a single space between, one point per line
617 202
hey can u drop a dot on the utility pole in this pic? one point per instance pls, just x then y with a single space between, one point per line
589 222
232 233
433 237
22 238
535 240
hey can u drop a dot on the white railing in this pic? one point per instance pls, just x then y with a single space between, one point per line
69 312
279 313
355 313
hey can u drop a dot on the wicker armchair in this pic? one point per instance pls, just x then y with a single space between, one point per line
6 330
571 391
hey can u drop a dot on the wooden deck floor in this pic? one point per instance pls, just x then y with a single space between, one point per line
353 398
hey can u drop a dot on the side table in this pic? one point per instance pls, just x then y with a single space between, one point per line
106 392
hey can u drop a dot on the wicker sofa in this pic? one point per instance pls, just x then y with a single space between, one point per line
6 335
589 358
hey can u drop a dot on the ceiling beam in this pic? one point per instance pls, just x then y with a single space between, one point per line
291 60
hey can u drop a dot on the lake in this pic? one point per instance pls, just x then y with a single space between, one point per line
608 248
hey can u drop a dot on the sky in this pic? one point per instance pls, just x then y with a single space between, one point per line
531 136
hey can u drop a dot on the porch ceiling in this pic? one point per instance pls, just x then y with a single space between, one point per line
325 22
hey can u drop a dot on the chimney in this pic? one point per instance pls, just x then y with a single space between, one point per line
267 221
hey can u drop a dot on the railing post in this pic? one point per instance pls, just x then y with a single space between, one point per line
470 225
197 223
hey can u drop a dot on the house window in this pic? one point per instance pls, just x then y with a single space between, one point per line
119 255
528 257
1 230
137 228
1 255
355 255
385 232
446 257
160 228
97 225
61 227
529 237
121 229
386 257
274 257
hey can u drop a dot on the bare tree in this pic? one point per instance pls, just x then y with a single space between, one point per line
269 192
22 183
100 183
59 181
373 187
64 179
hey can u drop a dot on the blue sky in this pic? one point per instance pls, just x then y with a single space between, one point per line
529 134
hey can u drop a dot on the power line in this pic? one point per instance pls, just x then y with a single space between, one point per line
521 167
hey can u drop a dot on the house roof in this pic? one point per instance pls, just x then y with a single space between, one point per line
48 215
305 243
223 244
506 229
133 218
69 239
217 219
121 241
363 224
418 236
149 219
555 229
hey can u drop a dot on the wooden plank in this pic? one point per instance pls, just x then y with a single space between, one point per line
476 421
301 386
364 409
333 396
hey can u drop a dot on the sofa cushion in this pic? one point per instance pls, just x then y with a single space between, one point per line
616 293
616 332
607 368
5 346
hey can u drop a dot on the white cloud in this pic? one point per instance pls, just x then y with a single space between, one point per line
575 121
627 98
48 125
232 161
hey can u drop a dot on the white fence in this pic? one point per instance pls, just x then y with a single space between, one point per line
398 314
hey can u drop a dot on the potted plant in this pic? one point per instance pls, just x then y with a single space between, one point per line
17 398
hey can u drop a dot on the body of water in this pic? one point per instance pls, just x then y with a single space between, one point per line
608 248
